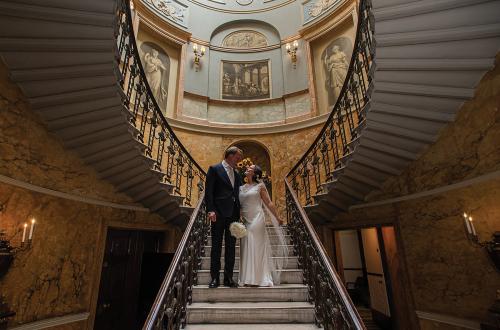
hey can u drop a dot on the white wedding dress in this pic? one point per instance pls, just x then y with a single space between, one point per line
256 263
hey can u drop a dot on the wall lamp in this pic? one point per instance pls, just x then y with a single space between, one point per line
198 54
292 51
492 247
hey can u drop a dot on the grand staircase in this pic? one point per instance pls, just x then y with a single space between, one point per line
401 90
77 63
285 306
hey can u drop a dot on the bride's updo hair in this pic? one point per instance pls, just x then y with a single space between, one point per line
257 174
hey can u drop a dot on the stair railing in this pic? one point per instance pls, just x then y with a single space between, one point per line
326 157
333 307
163 149
169 309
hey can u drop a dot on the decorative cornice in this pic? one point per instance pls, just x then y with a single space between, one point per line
245 102
247 129
451 320
246 50
52 322
439 190
157 25
60 194
328 22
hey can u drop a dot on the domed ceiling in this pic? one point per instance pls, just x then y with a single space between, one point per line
228 63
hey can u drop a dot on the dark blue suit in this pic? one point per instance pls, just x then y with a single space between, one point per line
223 199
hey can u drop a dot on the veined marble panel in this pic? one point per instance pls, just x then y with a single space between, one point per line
297 105
194 107
246 113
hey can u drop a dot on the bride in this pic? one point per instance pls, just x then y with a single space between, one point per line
257 265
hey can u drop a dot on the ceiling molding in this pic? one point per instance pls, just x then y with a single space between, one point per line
158 25
203 126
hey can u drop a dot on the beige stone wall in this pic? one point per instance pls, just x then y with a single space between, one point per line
59 274
285 149
447 274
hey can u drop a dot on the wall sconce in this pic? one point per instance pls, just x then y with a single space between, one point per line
198 54
292 51
492 247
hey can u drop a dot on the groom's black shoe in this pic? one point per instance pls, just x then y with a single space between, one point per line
230 283
214 283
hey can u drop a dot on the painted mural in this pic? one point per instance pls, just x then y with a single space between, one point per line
335 61
156 65
245 80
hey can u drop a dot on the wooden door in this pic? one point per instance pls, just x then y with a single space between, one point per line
117 304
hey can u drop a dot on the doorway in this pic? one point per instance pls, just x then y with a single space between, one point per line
368 261
132 271
259 156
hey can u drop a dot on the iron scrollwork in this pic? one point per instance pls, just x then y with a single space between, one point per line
161 146
327 156
332 306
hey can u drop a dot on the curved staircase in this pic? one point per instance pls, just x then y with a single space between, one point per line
65 57
427 58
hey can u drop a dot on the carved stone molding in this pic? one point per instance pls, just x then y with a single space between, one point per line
245 39
171 10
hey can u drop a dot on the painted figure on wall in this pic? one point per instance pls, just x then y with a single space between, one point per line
245 39
245 81
336 64
156 65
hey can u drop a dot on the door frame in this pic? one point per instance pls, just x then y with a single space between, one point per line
101 246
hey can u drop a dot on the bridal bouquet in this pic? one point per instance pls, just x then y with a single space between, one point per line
238 229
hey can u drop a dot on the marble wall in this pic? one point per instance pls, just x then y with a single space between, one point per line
278 110
285 149
59 274
448 275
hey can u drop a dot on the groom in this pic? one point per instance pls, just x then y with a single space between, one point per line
223 206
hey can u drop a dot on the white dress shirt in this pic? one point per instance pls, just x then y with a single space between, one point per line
229 171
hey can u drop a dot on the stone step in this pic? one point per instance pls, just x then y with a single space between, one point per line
208 249
288 276
282 292
292 262
272 326
251 312
273 238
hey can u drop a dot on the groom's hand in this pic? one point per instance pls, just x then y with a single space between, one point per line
212 216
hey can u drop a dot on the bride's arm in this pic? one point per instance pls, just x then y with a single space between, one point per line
269 203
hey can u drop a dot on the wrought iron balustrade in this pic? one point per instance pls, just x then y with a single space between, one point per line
327 155
162 147
333 307
169 308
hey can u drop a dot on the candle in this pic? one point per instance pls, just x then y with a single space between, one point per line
472 227
295 44
202 50
467 224
195 47
24 232
287 46
30 237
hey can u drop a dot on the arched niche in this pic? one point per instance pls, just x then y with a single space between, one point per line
259 28
259 156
